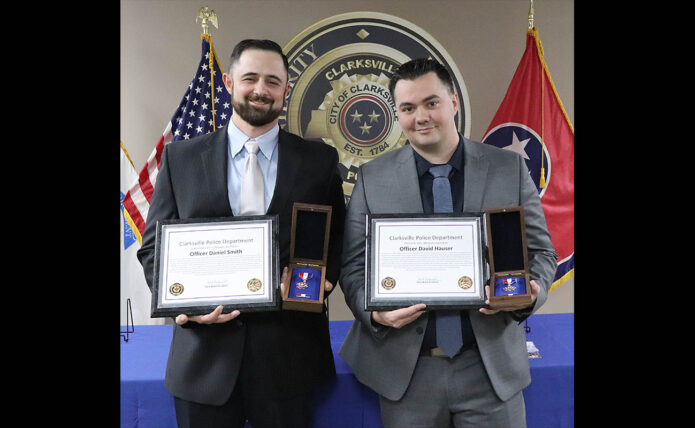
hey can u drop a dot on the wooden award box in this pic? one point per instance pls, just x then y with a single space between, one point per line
311 226
507 257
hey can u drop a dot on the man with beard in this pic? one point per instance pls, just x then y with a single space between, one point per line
264 367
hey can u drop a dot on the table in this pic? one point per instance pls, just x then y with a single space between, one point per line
145 403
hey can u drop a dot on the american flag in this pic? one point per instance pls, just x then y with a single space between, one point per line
205 106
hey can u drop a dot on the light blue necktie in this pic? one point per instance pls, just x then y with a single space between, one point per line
448 322
252 189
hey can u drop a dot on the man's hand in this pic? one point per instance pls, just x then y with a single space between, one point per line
284 278
213 317
399 317
535 289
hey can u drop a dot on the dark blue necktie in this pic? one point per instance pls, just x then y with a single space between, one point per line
448 322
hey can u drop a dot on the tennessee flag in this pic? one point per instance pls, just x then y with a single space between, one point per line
532 122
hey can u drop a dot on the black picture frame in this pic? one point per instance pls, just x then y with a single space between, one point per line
474 222
268 301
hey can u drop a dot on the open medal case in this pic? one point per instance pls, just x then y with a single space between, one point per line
311 226
507 257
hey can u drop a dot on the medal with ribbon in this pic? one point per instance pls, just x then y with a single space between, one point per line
304 276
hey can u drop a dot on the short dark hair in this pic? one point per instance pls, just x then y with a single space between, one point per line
415 68
265 45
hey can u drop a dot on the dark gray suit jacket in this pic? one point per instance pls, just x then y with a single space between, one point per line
287 352
384 358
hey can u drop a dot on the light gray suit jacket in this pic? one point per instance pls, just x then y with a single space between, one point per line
384 358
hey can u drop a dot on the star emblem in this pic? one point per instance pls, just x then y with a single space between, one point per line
373 117
355 116
365 128
518 146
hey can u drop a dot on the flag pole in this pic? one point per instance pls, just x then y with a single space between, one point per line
527 329
206 15
531 31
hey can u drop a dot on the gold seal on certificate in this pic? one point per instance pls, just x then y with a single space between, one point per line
465 282
176 289
254 284
388 283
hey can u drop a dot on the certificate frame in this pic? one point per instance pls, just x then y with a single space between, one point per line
219 252
462 246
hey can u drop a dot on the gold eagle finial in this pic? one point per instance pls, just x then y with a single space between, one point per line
206 15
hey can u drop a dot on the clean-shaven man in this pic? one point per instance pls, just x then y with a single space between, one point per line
397 353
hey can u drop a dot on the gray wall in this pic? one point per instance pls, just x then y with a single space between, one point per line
160 48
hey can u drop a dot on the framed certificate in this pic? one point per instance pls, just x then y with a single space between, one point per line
436 259
203 263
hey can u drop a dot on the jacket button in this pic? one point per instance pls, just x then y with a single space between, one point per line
418 330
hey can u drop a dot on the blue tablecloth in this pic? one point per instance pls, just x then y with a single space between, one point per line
145 403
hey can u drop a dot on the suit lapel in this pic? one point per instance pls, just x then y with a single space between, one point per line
214 161
288 160
475 176
405 183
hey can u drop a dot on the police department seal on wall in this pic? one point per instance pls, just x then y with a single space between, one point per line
339 71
